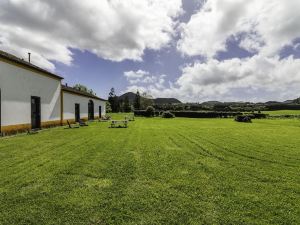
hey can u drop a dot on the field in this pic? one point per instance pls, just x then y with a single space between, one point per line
282 112
157 171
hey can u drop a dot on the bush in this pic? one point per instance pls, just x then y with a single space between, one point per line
243 119
257 115
150 111
167 114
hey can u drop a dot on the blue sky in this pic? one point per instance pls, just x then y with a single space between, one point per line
194 50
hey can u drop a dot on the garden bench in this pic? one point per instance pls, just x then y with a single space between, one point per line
82 123
104 119
120 123
71 126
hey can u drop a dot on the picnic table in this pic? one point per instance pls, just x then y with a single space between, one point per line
119 123
129 118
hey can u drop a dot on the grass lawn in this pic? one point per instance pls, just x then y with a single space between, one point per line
282 112
157 171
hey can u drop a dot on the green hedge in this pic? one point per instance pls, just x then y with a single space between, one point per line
192 114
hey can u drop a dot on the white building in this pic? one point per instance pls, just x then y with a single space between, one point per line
32 98
81 105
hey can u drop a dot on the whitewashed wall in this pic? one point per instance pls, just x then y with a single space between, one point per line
69 101
17 86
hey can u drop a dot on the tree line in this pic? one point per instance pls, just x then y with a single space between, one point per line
117 104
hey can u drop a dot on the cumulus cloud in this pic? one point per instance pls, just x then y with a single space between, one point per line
135 74
258 76
255 78
266 26
140 78
112 29
263 28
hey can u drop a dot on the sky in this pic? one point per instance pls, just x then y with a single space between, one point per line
193 50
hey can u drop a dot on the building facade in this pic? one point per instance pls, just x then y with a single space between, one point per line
33 98
80 105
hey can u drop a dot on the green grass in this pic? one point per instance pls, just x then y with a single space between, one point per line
282 112
157 171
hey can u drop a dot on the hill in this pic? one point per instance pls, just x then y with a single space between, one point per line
158 101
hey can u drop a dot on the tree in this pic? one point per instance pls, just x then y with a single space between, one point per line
297 101
126 105
120 105
150 111
137 101
108 107
83 88
80 87
113 101
146 100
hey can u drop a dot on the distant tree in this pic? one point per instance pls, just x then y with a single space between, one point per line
111 93
80 87
113 101
146 100
137 101
297 101
84 88
120 105
150 111
108 107
92 92
126 105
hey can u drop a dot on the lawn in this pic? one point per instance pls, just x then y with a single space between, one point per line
157 171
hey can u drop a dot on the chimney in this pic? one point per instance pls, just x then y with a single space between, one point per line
29 56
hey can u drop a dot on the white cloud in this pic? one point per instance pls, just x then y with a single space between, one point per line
257 78
112 29
135 74
261 77
267 26
141 78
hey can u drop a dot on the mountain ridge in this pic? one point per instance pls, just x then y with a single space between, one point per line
158 101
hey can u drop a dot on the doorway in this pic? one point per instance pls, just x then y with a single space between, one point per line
77 112
100 115
35 112
91 110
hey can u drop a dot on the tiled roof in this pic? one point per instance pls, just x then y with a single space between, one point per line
83 93
22 62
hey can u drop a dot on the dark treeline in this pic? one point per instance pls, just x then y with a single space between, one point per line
139 101
125 104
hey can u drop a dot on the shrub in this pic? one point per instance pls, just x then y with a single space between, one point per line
167 114
243 118
150 111
257 115
144 113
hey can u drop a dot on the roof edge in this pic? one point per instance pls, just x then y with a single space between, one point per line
26 65
82 93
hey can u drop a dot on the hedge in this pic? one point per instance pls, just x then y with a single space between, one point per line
209 114
257 115
203 114
283 107
145 113
192 114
